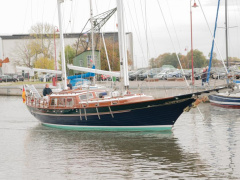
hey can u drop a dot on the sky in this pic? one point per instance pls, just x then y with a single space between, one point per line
142 17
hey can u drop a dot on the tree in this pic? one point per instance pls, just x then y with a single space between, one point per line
199 60
169 59
184 62
70 53
214 55
44 63
38 45
113 55
22 55
152 63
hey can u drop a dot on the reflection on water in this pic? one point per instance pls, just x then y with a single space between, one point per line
196 147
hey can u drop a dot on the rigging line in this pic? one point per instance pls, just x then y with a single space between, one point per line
96 7
154 47
142 19
63 16
213 37
174 26
136 29
146 29
25 18
31 13
235 16
144 26
54 14
103 27
238 10
74 15
43 10
68 23
71 16
172 42
125 19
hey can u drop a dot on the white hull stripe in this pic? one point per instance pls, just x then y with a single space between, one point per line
228 98
225 103
74 126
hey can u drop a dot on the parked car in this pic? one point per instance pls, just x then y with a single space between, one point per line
149 73
7 78
135 75
144 75
187 74
46 76
220 74
163 74
175 74
18 77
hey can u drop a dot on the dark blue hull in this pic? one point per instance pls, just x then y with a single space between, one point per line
225 101
153 113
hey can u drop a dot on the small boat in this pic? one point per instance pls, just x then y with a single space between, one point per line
227 99
101 109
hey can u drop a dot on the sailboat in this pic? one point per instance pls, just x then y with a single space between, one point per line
100 109
226 99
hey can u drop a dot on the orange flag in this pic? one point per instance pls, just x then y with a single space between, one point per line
24 95
6 60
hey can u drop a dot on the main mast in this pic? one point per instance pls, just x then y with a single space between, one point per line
62 45
122 45
226 32
92 34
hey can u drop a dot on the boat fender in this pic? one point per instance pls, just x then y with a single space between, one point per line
196 103
199 100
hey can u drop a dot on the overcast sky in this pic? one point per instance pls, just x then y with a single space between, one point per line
17 16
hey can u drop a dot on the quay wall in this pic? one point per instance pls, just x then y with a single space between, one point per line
156 89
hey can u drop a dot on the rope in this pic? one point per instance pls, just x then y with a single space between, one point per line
145 26
172 42
136 29
212 36
174 26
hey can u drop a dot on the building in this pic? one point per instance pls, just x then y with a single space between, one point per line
84 59
10 45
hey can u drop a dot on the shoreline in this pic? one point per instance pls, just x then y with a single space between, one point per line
160 88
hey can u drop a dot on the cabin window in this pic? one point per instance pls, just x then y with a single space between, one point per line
89 96
86 96
83 97
61 102
54 101
69 102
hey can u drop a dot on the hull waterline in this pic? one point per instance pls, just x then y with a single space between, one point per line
149 115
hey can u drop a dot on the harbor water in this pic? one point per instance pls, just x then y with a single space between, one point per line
203 144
